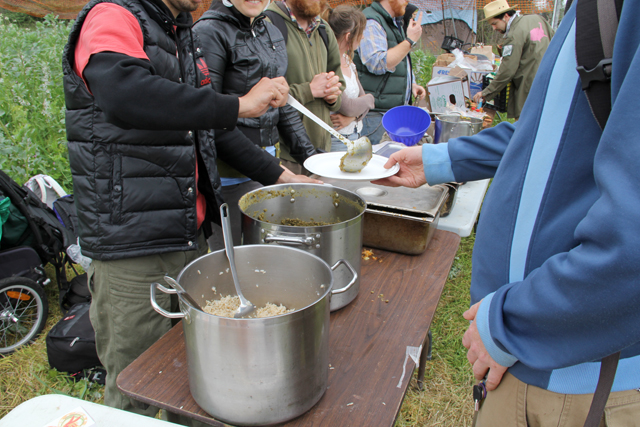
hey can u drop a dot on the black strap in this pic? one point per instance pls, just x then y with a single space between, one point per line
596 26
277 20
605 381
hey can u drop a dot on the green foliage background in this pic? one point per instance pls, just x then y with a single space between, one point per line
32 131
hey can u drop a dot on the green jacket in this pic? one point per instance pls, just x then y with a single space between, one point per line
388 89
523 48
309 56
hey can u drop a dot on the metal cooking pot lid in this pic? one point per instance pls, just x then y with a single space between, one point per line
422 201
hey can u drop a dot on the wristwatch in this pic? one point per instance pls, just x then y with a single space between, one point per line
411 42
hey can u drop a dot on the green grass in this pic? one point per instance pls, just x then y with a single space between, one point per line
446 396
32 131
26 372
32 141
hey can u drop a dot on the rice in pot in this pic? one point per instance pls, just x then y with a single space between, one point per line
228 305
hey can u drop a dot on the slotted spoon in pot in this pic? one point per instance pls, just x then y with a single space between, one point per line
359 152
175 285
246 307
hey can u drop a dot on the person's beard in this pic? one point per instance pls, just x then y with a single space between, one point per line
306 9
398 7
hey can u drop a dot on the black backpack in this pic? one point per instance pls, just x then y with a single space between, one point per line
71 345
596 27
43 232
65 210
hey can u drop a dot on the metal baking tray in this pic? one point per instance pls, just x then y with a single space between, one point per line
387 148
398 219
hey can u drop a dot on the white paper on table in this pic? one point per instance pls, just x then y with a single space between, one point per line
414 354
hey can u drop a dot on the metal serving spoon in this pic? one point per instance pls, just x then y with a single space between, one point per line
180 290
246 307
359 152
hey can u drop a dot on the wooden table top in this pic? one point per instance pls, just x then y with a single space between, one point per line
368 342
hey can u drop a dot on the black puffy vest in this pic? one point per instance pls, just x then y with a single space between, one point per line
135 190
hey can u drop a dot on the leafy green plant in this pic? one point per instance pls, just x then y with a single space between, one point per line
422 63
32 132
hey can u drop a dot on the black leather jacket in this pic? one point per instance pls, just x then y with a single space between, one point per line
239 53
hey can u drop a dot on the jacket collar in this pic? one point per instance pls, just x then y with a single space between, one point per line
160 13
230 13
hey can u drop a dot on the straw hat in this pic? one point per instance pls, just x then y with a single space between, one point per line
495 8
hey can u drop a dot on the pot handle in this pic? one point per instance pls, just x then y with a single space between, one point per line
159 309
294 241
348 285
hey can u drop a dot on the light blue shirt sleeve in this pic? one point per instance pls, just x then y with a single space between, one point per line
373 48
437 163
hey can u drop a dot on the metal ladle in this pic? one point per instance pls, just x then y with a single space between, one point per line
180 290
246 307
359 152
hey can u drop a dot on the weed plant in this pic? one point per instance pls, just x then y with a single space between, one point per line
422 64
32 131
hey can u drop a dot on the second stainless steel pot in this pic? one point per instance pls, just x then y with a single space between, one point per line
453 126
339 236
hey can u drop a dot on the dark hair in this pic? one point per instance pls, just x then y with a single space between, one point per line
508 12
408 15
345 19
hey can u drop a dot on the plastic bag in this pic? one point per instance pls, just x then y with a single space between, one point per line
463 62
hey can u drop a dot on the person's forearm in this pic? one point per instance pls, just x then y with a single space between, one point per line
235 149
356 107
504 75
294 135
134 98
396 54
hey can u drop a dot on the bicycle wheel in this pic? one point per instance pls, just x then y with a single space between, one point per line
23 312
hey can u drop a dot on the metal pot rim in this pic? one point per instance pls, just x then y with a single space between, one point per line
460 119
297 228
326 292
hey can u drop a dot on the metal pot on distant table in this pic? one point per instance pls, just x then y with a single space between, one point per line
450 126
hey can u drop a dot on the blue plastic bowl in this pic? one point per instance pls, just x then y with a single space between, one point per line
406 124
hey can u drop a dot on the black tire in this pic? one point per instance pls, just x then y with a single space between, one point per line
23 312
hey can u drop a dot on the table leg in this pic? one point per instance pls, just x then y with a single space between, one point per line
425 355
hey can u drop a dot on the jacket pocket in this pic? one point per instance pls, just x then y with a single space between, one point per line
116 190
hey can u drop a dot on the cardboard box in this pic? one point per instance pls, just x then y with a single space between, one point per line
444 91
486 50
475 78
447 58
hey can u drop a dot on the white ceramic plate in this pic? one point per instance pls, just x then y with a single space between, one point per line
328 165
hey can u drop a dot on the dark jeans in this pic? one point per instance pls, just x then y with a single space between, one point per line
372 126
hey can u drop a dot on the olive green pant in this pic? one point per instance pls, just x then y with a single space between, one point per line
122 317
516 404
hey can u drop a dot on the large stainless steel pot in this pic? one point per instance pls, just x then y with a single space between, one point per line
258 371
341 238
453 126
